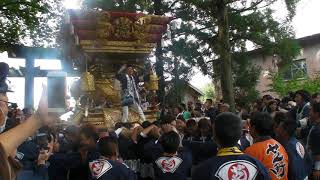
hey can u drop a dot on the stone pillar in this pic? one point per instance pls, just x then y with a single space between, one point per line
29 83
57 91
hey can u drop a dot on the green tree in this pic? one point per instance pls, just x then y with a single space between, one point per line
282 87
179 73
246 76
175 92
31 22
208 91
212 33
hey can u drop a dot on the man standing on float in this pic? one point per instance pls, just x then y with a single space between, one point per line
130 92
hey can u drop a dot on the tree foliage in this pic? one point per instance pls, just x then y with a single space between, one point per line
246 77
175 91
249 21
28 22
177 74
208 91
195 41
282 86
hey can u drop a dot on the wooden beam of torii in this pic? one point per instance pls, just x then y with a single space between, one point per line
30 54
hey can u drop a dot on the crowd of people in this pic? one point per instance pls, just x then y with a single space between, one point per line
273 139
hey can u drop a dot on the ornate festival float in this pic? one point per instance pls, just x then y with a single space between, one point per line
98 44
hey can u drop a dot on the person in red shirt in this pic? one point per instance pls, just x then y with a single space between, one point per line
270 152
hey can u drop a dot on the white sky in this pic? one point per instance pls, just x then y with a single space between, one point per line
306 21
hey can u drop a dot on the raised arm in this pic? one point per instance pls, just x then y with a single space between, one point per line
119 74
11 139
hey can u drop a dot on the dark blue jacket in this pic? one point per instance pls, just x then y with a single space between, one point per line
123 80
231 167
127 148
211 113
313 140
59 164
200 150
72 162
173 168
105 169
147 149
303 110
299 160
244 143
27 154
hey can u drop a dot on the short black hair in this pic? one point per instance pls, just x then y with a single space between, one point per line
191 123
146 124
129 65
245 116
285 99
118 125
263 124
170 142
90 132
71 130
315 107
270 103
227 129
209 100
267 96
167 119
289 126
183 106
280 117
204 123
128 125
180 108
108 146
304 94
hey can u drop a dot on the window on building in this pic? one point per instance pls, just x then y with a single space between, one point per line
298 69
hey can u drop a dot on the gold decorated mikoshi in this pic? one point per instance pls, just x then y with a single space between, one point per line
87 82
109 39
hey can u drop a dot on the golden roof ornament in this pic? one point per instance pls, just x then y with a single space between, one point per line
87 82
122 28
153 84
103 25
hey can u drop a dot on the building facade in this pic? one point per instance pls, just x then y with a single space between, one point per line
306 64
192 94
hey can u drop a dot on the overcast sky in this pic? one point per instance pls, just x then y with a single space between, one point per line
306 22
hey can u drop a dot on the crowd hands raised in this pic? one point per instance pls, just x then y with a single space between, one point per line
273 139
